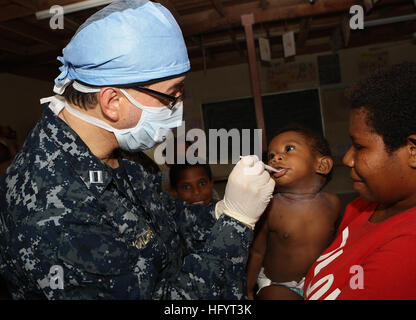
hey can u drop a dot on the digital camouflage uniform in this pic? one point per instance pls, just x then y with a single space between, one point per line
113 237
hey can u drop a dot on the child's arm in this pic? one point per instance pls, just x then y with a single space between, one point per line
257 252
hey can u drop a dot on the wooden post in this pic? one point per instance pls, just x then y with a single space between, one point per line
247 21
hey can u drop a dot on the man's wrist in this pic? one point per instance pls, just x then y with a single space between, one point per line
219 210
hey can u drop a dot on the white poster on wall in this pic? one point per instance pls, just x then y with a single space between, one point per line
265 52
289 47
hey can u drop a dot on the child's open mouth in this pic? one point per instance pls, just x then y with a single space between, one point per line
280 172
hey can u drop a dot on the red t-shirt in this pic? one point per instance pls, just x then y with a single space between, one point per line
367 260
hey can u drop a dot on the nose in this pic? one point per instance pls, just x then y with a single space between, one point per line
277 157
348 158
197 190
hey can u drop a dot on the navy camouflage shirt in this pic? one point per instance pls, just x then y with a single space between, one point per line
73 228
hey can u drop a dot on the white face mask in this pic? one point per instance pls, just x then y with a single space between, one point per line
153 126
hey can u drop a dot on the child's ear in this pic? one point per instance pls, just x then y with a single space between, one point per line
411 147
324 165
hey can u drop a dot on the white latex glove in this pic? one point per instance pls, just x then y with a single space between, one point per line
248 191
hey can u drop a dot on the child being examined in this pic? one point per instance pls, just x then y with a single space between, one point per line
299 222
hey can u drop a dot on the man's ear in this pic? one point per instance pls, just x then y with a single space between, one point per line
324 165
411 147
110 103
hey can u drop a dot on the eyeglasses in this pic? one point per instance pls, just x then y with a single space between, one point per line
173 100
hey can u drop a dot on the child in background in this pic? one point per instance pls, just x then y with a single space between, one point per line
374 253
192 183
300 221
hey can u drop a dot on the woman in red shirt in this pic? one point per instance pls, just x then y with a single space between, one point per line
373 255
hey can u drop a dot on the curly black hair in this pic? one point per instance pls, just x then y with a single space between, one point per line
389 98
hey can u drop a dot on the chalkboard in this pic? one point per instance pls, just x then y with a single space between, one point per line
233 114
301 107
329 69
230 114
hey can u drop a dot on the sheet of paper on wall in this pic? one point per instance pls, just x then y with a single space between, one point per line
265 52
289 46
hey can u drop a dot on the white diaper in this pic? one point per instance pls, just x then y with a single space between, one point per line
263 281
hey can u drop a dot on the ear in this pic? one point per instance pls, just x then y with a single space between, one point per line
110 102
411 147
324 165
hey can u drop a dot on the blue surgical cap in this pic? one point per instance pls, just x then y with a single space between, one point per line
127 42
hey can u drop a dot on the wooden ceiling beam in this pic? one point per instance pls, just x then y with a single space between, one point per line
273 13
247 21
46 4
318 42
219 7
21 9
14 11
32 32
264 4
26 4
204 54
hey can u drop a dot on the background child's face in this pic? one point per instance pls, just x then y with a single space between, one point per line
194 186
291 154
377 176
